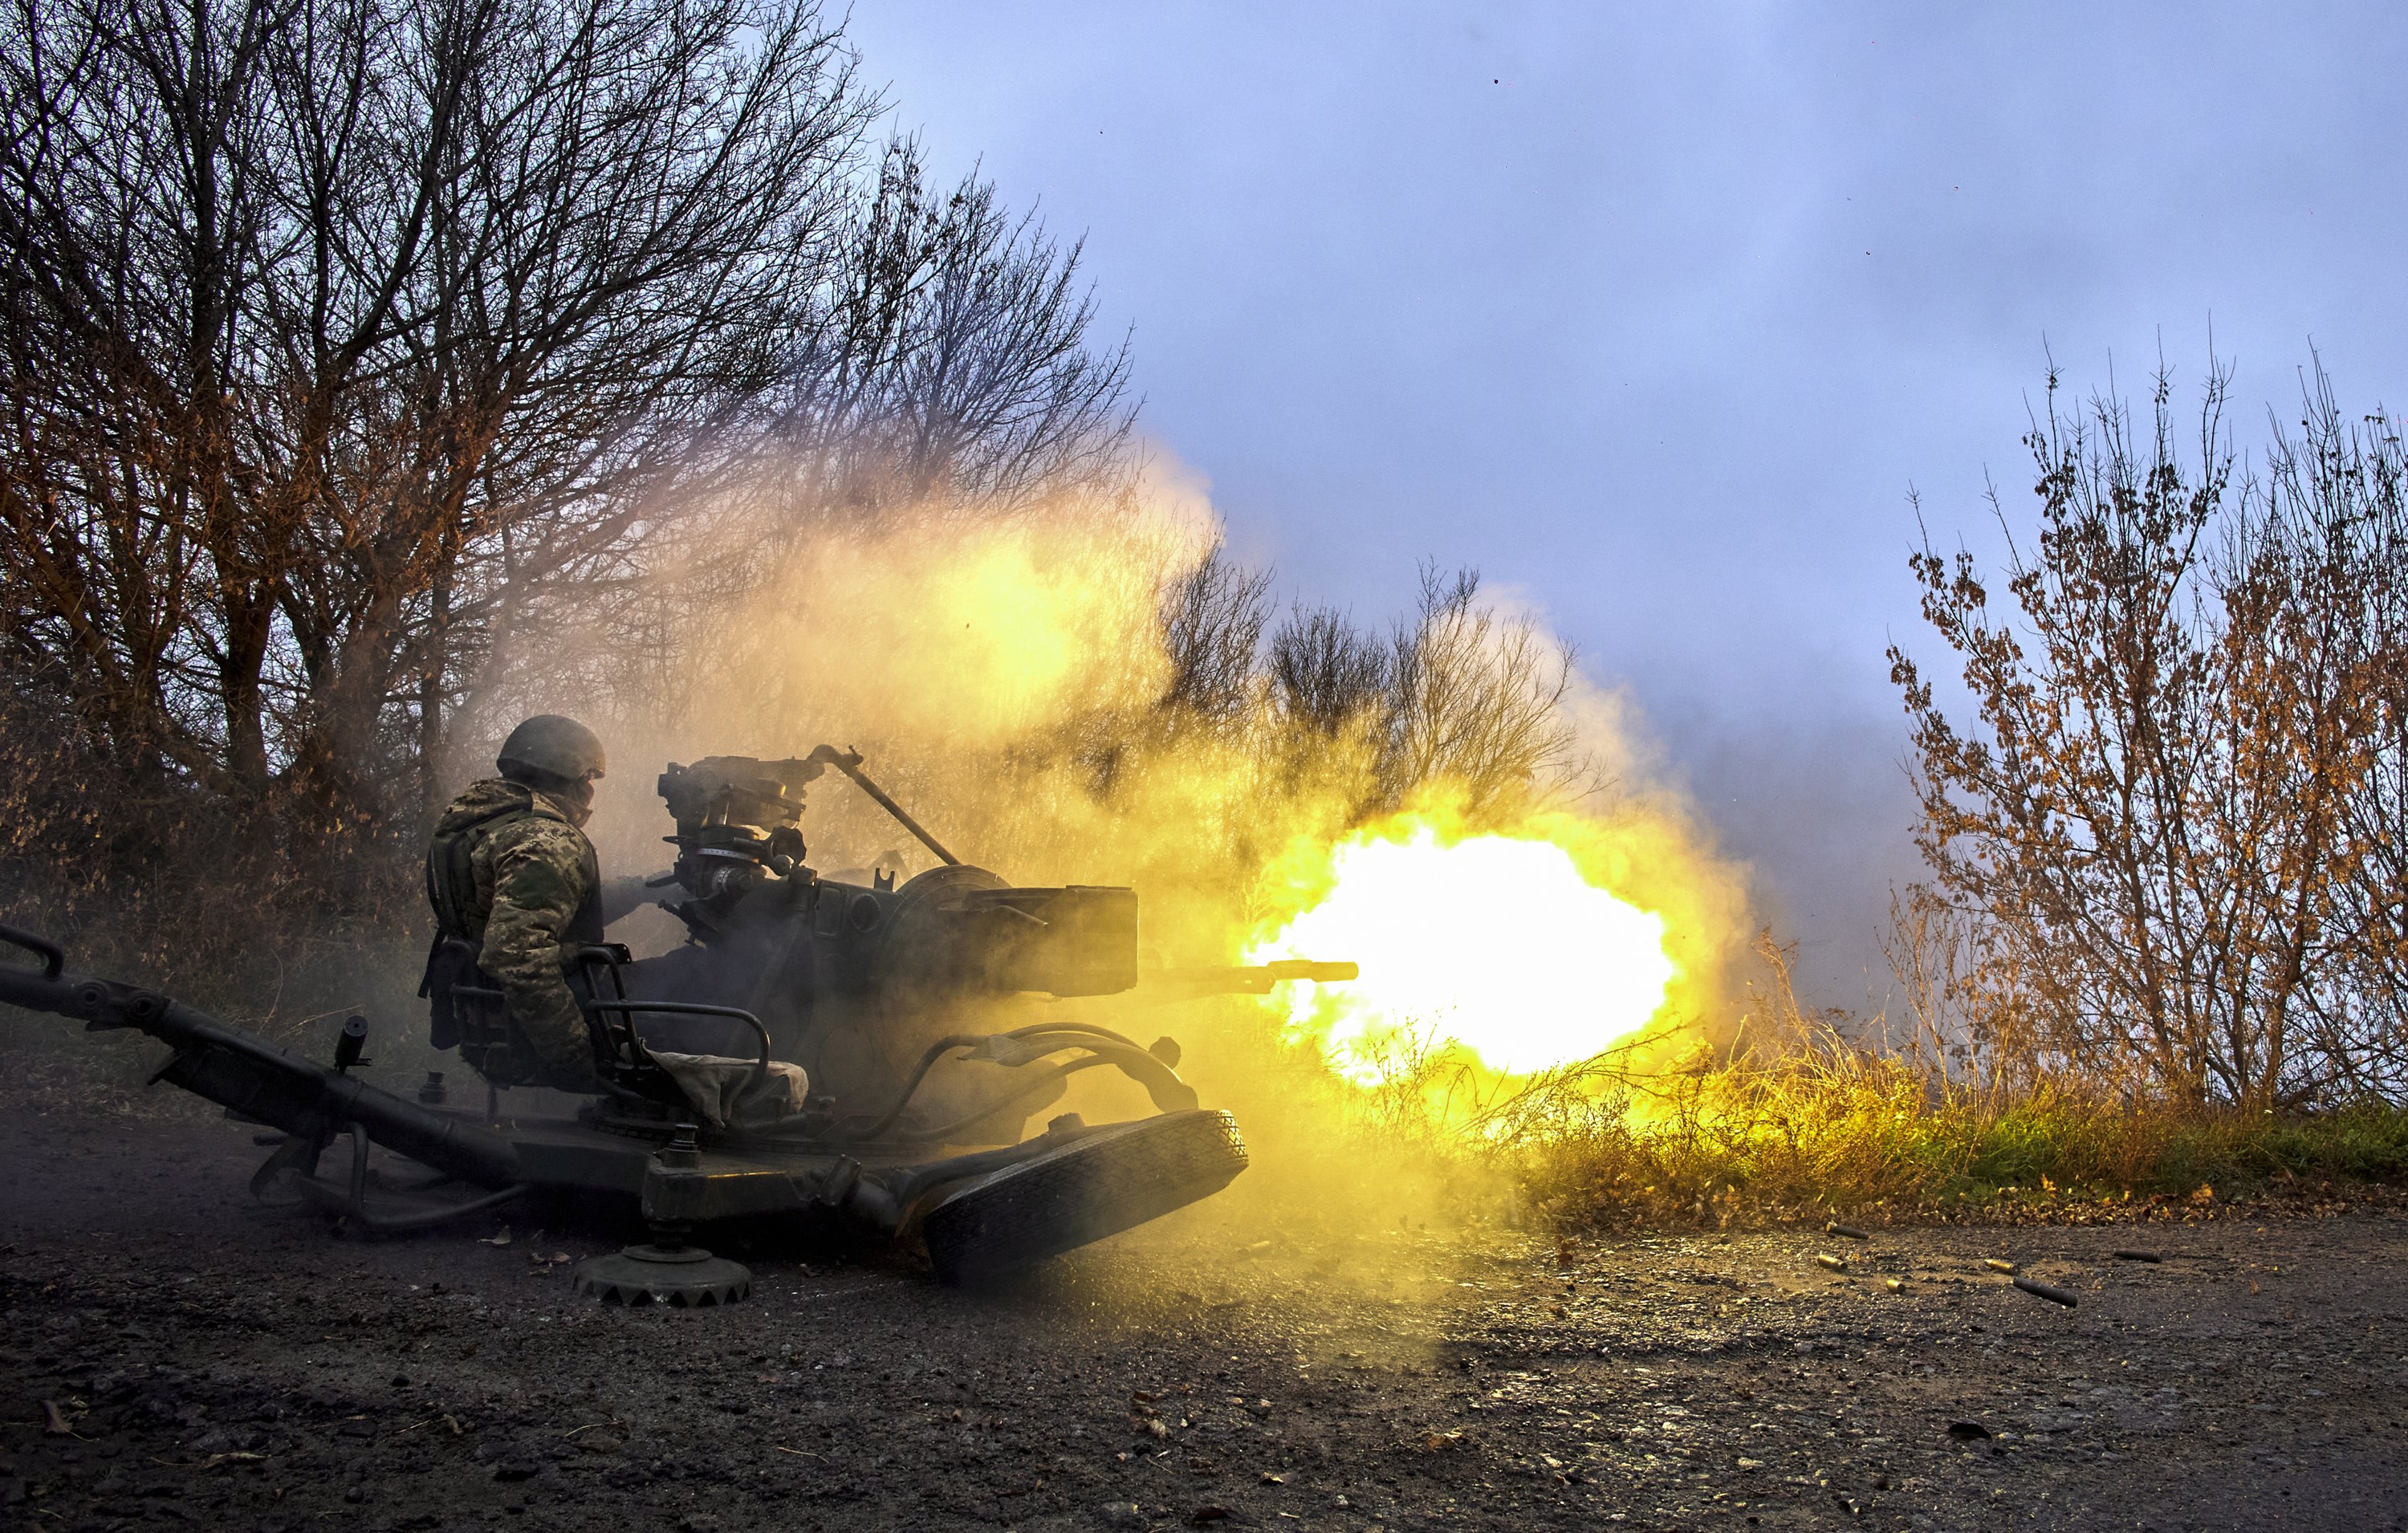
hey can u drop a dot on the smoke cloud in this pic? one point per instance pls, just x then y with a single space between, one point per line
1003 674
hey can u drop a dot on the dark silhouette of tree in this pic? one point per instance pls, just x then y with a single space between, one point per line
350 343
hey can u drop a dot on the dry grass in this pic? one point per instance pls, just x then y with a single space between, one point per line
1864 1134
1805 1122
1801 1129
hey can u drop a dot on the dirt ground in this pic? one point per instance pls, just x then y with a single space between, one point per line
171 1355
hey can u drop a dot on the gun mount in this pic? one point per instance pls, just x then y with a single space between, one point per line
739 811
856 982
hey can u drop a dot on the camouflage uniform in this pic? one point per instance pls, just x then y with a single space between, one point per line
512 876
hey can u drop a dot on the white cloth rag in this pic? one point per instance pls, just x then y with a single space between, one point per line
725 1091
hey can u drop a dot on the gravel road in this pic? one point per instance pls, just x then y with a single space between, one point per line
171 1355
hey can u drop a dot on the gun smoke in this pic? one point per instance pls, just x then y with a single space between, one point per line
1084 689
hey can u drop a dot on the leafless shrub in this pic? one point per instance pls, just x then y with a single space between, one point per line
2316 584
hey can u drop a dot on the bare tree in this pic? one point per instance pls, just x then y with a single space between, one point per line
953 361
1325 673
351 347
940 370
1213 620
336 327
1475 700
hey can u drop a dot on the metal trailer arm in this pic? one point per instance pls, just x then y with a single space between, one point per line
255 1077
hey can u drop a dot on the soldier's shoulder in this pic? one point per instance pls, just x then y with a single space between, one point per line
487 803
539 838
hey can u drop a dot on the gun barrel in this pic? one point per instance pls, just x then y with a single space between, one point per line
1249 980
1306 968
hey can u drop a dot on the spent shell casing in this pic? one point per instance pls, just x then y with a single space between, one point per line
1845 1231
2138 1256
1836 1264
1896 1285
2048 1291
1998 1263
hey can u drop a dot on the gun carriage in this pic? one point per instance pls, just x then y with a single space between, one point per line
926 1017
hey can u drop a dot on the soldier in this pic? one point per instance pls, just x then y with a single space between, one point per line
517 890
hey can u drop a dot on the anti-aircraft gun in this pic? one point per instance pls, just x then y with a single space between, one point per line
858 984
920 1013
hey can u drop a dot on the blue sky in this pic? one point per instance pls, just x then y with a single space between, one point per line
1653 314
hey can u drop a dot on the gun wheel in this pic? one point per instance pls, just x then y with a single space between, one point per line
1098 1185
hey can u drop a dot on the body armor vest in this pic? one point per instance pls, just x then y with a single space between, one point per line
469 1009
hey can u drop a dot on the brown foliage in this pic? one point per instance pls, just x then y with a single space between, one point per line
332 328
346 346
2172 833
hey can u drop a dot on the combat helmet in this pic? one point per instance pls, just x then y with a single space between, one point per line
556 747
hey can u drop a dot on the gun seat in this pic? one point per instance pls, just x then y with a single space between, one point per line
470 1013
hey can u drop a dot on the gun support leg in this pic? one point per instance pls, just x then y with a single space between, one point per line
298 1154
668 1270
300 1157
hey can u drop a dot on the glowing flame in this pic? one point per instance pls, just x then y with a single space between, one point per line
1497 943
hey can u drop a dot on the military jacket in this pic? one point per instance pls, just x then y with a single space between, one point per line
509 875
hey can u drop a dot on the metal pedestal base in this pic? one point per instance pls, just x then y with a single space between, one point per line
681 1277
